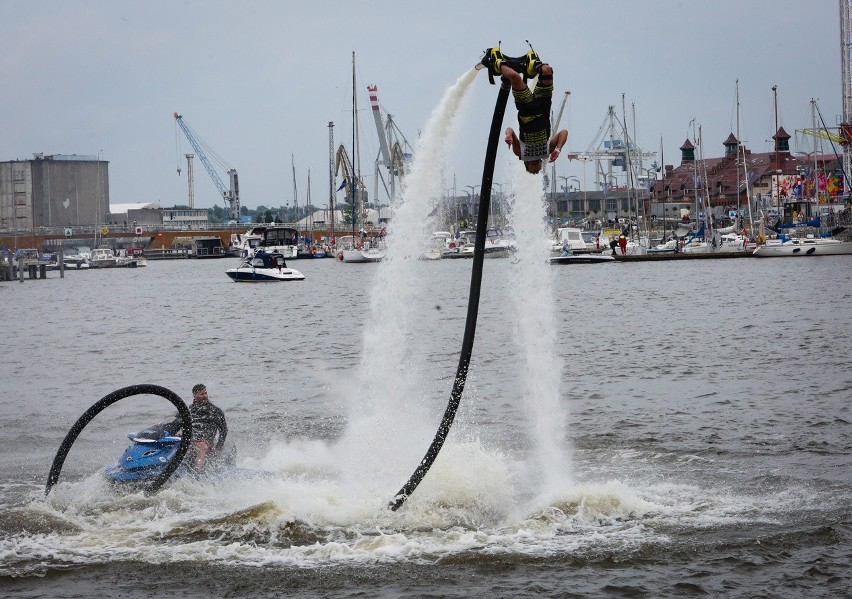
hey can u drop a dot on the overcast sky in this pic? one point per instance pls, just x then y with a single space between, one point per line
260 80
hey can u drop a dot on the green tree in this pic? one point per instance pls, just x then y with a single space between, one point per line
216 214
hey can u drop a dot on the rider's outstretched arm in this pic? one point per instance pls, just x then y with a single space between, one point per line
512 141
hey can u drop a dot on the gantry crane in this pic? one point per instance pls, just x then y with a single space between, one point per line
231 194
608 148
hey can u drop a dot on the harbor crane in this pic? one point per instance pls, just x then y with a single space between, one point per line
354 185
608 150
231 195
842 137
392 148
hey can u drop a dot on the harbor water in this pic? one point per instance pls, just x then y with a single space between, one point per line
704 432
645 429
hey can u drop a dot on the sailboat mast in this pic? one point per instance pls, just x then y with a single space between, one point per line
816 162
627 157
637 177
748 194
295 190
362 210
695 170
705 191
737 163
741 147
776 166
331 190
665 208
310 213
357 174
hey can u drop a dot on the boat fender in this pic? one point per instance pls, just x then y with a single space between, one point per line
105 402
340 256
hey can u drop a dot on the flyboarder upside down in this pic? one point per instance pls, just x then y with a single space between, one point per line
533 142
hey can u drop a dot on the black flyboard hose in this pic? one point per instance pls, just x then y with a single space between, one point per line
472 304
107 401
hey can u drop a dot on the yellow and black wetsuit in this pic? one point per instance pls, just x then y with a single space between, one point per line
534 120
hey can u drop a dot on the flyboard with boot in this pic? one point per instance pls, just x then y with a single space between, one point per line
527 65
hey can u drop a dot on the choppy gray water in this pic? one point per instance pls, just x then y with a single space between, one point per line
706 445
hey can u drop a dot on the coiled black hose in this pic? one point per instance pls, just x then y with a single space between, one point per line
104 403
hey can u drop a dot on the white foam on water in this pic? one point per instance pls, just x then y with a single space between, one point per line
449 515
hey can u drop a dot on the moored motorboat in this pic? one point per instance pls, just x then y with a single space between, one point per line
244 244
498 244
437 245
131 258
102 258
803 246
264 267
279 240
568 239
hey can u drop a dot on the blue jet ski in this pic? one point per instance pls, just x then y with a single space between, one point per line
151 451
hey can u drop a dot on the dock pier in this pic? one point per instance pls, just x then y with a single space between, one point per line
11 270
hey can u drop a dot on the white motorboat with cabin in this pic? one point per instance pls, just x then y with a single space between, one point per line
279 240
102 258
264 267
438 244
498 243
72 257
570 240
803 246
244 244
